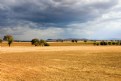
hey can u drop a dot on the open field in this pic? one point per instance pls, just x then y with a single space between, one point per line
50 43
60 63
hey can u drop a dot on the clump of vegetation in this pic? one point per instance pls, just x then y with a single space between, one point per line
108 43
85 41
103 43
74 41
113 43
35 42
38 42
46 44
42 42
9 38
0 40
96 43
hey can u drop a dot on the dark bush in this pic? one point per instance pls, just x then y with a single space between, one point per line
117 43
94 43
113 43
97 44
103 43
46 44
109 43
35 42
0 40
72 41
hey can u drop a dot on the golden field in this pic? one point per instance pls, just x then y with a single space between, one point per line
60 63
4 44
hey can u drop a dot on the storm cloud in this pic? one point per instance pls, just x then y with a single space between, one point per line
59 18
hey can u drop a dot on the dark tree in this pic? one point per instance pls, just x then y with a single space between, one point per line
72 41
35 42
103 43
0 40
85 41
8 38
76 41
44 43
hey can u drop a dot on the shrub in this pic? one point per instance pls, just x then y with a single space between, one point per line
109 43
42 42
0 40
85 41
76 41
94 43
116 43
8 38
46 44
72 41
35 42
97 44
103 43
113 43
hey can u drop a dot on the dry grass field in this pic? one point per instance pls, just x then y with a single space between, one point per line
60 63
4 44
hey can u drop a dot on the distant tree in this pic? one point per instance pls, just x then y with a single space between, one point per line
35 42
113 43
76 41
72 41
103 43
0 40
43 43
46 44
9 38
109 43
85 41
62 40
96 43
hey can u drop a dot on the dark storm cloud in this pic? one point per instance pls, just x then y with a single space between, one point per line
26 19
58 12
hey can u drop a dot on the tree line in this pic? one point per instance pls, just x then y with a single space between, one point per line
104 43
35 41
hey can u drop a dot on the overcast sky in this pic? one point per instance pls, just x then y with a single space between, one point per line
92 19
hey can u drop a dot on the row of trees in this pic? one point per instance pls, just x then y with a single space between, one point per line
36 42
107 43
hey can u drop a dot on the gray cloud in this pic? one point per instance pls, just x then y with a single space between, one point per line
42 15
54 11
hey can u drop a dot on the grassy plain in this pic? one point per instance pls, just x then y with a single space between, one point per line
60 63
50 43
